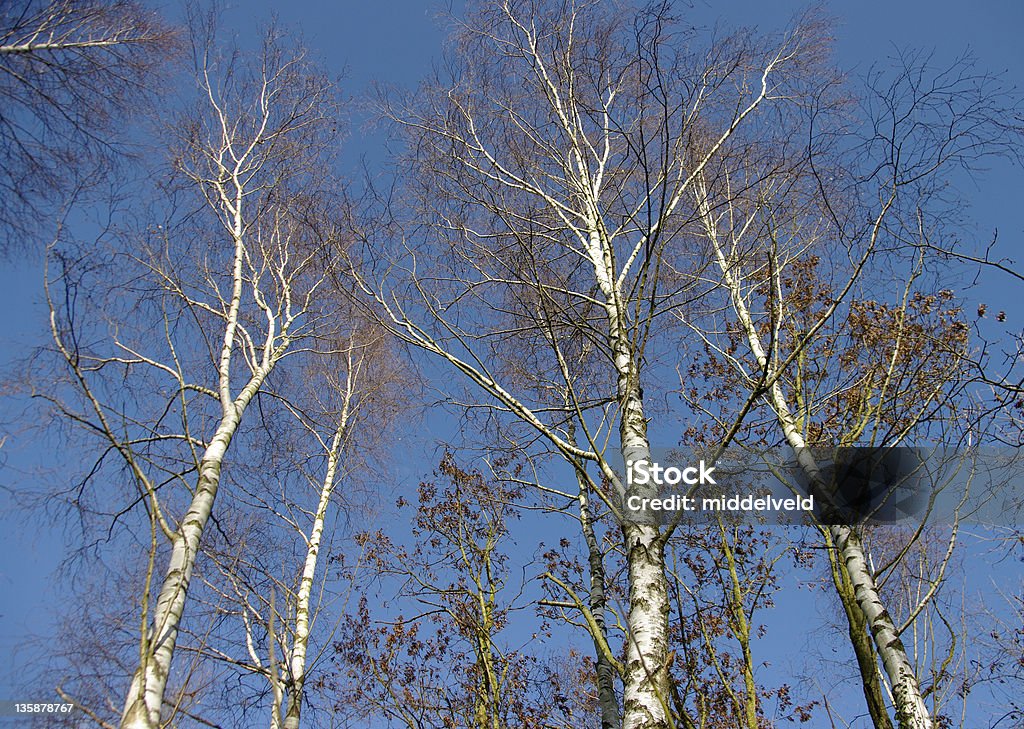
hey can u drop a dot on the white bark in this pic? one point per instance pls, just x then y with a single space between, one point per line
62 26
300 645
646 691
289 630
906 690
910 707
646 694
607 170
146 692
229 187
245 300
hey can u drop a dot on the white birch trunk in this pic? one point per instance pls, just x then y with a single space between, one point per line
144 701
300 644
145 697
646 691
645 697
911 711
277 687
910 708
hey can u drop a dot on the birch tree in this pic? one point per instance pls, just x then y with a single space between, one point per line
898 380
847 542
288 678
232 296
268 574
555 163
277 611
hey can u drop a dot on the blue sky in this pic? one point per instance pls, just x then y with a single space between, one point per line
394 42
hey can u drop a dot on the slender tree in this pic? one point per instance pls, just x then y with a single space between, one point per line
885 375
269 574
229 310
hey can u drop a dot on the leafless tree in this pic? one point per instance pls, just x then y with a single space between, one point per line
268 574
550 179
836 366
68 69
224 294
570 181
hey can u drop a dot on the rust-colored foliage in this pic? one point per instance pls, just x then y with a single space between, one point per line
436 653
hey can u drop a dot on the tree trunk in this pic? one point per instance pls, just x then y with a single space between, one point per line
606 699
597 599
860 639
146 693
145 697
300 644
910 708
646 694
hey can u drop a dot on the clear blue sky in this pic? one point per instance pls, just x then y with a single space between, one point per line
394 41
